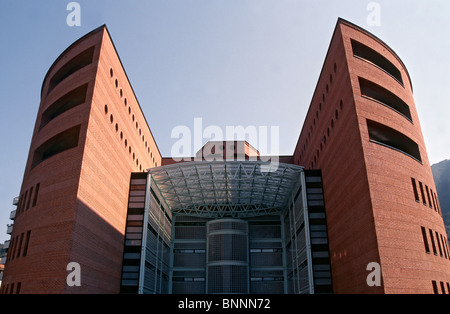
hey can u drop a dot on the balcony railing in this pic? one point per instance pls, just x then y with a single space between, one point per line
16 201
12 215
9 229
6 245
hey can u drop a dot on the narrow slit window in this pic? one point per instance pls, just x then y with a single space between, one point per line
429 198
434 201
425 240
19 248
444 247
437 203
11 248
432 242
442 287
435 287
29 198
27 240
36 193
24 203
444 240
19 205
422 193
439 244
416 194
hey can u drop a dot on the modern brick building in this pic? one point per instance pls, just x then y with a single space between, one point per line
358 189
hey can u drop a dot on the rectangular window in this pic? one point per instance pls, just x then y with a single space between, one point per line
443 287
444 248
435 287
425 240
10 256
434 201
29 198
16 242
416 194
25 197
19 285
27 240
20 245
437 203
432 242
36 194
19 206
422 193
446 245
439 244
428 194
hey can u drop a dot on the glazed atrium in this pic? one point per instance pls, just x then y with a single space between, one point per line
231 226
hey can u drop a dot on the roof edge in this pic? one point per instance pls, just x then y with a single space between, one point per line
102 27
339 22
360 29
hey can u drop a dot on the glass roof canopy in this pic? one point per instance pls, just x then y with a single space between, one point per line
220 189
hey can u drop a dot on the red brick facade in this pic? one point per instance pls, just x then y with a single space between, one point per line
81 204
74 194
372 213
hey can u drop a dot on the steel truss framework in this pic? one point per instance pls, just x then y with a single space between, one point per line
219 189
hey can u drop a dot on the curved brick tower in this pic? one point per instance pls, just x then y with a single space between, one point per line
362 130
90 134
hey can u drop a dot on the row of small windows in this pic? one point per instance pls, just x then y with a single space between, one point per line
427 196
111 119
133 240
323 140
16 250
202 251
440 246
442 286
326 136
11 288
28 199
147 146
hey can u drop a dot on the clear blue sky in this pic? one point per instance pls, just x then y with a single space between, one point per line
229 62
